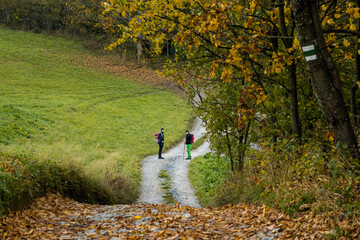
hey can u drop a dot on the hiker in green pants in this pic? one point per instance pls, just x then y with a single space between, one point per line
189 139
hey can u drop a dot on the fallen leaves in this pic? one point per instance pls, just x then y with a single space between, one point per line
130 70
54 217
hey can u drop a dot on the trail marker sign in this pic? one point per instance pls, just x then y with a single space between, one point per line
309 52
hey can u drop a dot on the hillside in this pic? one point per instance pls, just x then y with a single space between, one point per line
57 103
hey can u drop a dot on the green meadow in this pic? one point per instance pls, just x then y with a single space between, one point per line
51 107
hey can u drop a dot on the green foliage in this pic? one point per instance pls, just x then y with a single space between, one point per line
33 14
206 174
24 178
219 111
96 121
80 17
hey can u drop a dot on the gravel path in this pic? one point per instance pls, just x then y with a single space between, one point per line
56 217
177 167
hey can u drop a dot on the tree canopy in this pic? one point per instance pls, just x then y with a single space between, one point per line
248 63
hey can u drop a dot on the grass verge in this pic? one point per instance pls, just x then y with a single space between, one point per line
207 174
166 186
198 143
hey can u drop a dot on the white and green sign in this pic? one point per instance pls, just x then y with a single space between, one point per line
309 52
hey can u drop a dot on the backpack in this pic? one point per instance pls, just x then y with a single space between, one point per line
156 137
192 138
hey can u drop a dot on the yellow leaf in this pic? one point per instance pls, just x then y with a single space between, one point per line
348 55
357 14
330 136
138 217
337 15
296 43
226 75
252 5
330 22
347 43
212 72
217 43
352 27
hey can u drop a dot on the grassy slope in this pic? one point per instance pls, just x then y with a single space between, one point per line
89 118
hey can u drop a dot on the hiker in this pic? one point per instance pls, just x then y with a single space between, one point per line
189 139
161 142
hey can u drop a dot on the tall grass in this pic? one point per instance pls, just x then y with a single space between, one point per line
24 178
312 178
57 109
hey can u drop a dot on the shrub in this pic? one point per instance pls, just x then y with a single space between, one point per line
306 178
22 179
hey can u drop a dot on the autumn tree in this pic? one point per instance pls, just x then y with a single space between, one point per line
323 71
253 47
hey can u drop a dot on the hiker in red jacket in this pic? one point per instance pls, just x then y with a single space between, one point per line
189 139
161 140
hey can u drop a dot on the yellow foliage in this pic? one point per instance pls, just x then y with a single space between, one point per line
346 43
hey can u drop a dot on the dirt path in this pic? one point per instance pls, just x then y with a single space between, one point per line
56 217
177 167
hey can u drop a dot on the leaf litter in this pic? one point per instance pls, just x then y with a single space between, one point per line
57 217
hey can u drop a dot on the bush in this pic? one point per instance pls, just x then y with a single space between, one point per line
33 14
306 178
22 179
81 16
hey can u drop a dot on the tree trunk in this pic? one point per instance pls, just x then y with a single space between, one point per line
294 107
229 149
243 140
354 111
324 74
139 47
292 84
240 157
353 107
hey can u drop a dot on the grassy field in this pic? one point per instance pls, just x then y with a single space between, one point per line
54 108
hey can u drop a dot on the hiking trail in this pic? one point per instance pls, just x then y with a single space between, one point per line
56 217
151 191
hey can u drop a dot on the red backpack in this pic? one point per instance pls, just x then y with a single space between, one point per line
156 137
192 138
